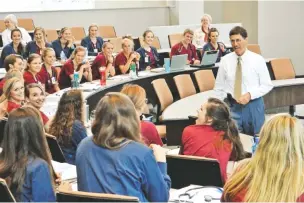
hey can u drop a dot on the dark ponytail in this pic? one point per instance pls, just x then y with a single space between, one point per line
221 121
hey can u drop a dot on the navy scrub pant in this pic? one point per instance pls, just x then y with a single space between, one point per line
249 117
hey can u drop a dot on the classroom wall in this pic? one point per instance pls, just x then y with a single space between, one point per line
244 12
125 20
281 31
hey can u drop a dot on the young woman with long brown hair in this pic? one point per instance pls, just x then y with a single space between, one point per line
276 171
115 161
25 162
68 123
215 135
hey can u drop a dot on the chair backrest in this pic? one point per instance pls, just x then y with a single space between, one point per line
2 26
26 23
254 48
107 31
56 152
51 35
155 42
78 33
185 86
205 80
163 93
5 193
78 196
175 38
186 170
282 68
3 122
117 42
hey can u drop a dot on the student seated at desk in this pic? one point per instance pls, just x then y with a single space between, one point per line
48 74
275 171
137 94
149 57
68 123
201 34
104 60
92 42
13 94
15 47
30 74
185 47
215 135
35 97
38 44
25 159
10 74
124 59
64 45
11 23
213 44
75 64
115 161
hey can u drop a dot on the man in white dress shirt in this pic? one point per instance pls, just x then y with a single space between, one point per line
243 78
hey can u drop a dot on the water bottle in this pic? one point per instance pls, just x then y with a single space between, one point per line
76 79
132 71
256 140
63 56
87 54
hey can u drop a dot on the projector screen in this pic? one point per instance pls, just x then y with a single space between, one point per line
45 5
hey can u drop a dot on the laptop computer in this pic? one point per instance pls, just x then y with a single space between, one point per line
209 59
178 62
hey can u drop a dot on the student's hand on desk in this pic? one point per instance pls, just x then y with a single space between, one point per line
188 62
159 153
148 68
196 62
58 180
244 99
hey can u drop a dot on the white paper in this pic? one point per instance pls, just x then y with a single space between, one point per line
68 171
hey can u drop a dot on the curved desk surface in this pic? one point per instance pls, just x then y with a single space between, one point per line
93 91
176 116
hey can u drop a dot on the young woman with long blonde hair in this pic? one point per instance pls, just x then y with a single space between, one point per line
276 171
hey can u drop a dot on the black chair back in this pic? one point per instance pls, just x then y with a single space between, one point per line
56 152
186 170
77 196
3 122
5 193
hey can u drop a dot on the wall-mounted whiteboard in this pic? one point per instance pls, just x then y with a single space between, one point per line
45 5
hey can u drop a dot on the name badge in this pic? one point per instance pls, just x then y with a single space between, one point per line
53 80
147 59
95 50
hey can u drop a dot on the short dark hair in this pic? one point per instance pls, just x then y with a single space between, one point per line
238 30
11 60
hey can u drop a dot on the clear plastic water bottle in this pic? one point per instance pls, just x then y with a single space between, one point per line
256 140
75 80
63 56
87 54
132 72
